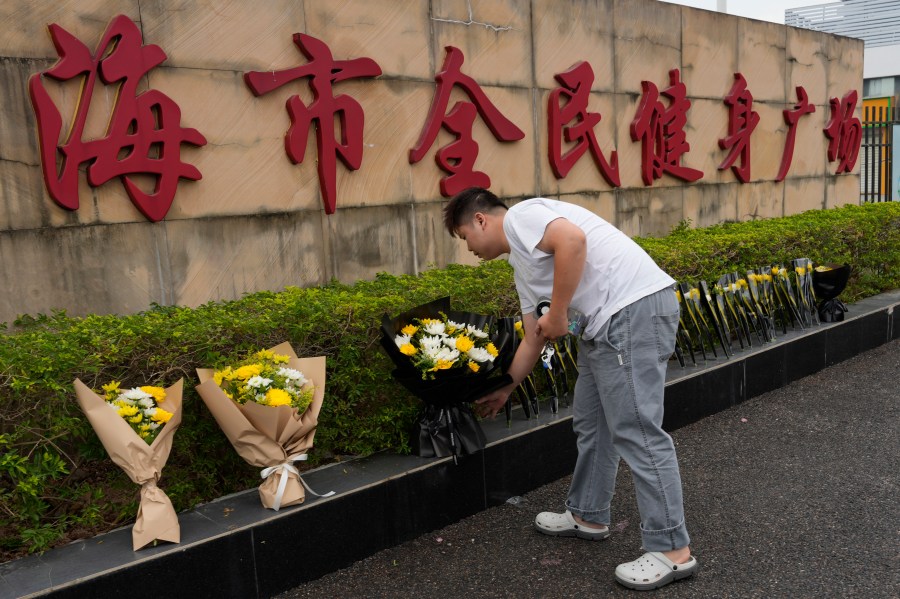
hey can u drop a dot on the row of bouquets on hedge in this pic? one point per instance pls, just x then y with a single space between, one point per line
268 407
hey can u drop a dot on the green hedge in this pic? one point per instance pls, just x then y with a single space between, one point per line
56 483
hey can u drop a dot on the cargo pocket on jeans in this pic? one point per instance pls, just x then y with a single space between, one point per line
665 326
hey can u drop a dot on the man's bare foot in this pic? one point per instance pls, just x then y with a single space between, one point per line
582 522
678 556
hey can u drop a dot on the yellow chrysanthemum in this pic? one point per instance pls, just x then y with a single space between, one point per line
407 349
126 411
428 321
678 295
112 386
158 393
245 372
800 270
409 329
264 355
162 416
136 419
281 359
491 349
695 294
774 270
443 365
222 375
464 344
518 326
473 366
277 397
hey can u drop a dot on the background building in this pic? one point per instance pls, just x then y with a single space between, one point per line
877 23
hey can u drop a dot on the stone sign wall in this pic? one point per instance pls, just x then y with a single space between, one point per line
257 220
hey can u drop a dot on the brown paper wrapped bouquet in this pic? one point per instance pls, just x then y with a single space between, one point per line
137 426
268 407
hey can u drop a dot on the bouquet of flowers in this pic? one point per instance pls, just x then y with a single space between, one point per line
828 281
268 407
137 426
447 359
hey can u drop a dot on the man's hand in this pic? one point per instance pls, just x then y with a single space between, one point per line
552 325
491 404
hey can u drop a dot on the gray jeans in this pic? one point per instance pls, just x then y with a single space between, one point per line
618 413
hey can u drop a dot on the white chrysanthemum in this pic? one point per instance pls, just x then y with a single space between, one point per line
146 402
401 340
154 425
150 412
256 382
444 353
449 342
456 325
296 377
476 332
435 328
479 354
135 394
432 343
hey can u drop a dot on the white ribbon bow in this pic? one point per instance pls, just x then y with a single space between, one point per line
286 469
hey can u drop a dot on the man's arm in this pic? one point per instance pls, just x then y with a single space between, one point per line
523 363
566 241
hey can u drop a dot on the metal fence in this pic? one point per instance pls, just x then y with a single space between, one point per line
878 181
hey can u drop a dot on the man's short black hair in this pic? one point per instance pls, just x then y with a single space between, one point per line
463 206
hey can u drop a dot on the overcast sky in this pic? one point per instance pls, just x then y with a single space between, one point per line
763 10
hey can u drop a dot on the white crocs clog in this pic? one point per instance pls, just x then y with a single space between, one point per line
564 525
653 570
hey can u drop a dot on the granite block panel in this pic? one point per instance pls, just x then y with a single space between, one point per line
226 34
527 461
710 52
494 37
27 35
806 65
394 33
707 205
841 190
761 58
120 269
306 544
805 355
227 257
360 241
649 212
647 43
433 497
801 194
583 31
760 200
694 397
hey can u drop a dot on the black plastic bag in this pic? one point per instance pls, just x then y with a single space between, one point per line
445 431
827 285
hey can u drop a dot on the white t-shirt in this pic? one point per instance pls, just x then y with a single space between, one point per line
617 271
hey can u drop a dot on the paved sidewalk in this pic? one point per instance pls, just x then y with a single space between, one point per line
795 493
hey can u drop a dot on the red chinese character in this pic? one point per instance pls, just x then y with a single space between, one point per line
458 158
844 132
576 90
791 118
144 128
323 71
742 120
661 131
